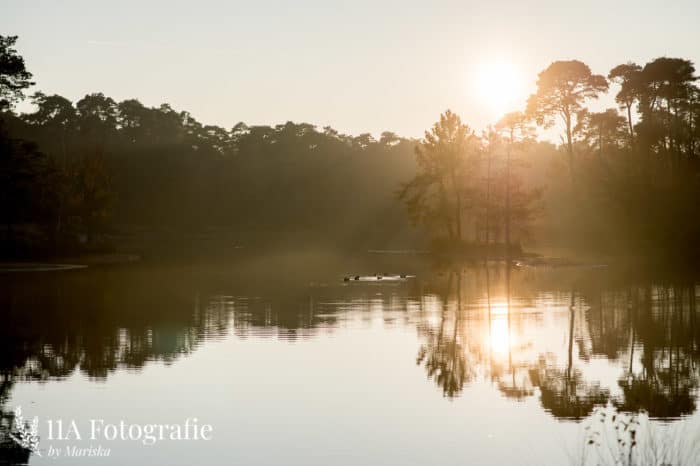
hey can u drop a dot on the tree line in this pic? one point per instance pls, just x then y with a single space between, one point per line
633 171
92 165
623 178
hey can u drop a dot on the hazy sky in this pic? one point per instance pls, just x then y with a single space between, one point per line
359 66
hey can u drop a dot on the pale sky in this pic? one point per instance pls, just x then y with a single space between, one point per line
359 66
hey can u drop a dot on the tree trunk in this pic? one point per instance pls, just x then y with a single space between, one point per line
510 148
629 123
488 196
443 202
570 147
458 205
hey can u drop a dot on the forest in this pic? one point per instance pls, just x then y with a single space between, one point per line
624 180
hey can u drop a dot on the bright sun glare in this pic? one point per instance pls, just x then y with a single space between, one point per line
499 335
499 86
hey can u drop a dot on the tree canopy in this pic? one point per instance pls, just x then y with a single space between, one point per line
98 167
14 77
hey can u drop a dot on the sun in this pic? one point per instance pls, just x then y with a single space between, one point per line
499 87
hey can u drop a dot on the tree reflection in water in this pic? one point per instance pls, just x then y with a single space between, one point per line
443 355
648 331
526 332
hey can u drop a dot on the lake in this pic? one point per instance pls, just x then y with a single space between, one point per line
287 363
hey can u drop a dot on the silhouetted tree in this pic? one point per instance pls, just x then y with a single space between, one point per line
515 125
601 130
562 89
627 76
14 77
447 158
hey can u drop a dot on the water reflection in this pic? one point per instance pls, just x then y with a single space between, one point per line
565 343
572 339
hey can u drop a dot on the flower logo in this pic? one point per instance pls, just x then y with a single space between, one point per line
26 434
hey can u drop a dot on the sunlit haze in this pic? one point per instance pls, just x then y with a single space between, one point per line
362 66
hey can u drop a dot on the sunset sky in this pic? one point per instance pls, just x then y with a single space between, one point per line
361 66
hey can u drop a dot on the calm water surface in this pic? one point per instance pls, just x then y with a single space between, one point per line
289 364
